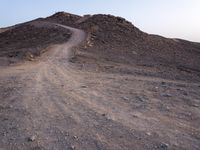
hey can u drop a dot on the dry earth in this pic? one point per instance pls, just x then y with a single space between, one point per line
74 97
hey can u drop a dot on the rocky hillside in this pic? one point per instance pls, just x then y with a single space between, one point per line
28 40
63 18
114 39
123 40
110 40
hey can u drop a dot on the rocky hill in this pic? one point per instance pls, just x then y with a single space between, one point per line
29 40
114 39
110 39
63 18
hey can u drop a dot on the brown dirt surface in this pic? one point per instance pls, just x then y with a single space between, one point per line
109 87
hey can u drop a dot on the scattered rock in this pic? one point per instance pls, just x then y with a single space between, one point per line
125 98
83 86
134 52
195 105
166 95
185 93
163 84
104 115
72 147
32 138
148 133
141 98
75 137
162 146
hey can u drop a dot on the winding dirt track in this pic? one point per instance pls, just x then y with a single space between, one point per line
60 107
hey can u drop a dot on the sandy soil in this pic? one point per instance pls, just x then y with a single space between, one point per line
50 104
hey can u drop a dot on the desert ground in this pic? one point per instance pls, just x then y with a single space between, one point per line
69 84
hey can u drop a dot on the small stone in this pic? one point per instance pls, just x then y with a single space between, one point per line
162 146
141 98
83 86
72 147
125 98
179 89
166 95
185 93
134 52
163 83
104 115
148 133
32 138
75 137
4 134
195 105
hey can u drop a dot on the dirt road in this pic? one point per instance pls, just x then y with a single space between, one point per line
50 104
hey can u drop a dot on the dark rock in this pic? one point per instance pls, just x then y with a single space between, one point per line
83 86
166 95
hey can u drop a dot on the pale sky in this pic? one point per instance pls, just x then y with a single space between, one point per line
169 18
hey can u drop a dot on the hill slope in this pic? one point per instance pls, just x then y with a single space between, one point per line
29 40
113 39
